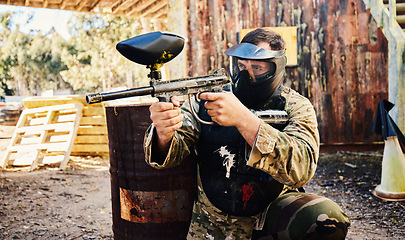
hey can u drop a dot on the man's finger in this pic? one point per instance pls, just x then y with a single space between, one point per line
209 96
161 106
175 100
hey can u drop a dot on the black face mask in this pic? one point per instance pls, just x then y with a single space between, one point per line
253 94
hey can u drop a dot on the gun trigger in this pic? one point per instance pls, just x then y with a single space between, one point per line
197 97
195 115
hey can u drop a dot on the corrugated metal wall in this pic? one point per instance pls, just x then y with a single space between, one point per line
342 55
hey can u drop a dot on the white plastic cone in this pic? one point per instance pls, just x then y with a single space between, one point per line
392 187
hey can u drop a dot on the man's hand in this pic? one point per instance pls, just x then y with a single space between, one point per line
167 118
226 110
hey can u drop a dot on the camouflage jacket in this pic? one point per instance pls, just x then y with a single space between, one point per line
289 156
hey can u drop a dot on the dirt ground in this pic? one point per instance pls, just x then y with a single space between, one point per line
348 179
76 203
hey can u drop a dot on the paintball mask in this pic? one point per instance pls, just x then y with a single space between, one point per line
256 72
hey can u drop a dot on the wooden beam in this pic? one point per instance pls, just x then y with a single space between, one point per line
63 4
160 15
81 5
145 3
118 6
93 5
132 11
138 7
132 8
154 8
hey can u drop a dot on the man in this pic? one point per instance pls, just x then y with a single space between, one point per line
249 170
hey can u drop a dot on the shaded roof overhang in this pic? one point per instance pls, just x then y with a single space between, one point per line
156 9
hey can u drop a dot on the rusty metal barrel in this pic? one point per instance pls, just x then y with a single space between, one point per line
146 203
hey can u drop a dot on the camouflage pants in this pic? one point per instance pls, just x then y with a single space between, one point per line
290 216
303 216
208 222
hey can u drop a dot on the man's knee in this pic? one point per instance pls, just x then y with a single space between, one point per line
304 216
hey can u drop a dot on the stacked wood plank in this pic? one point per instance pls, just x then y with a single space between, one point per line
92 138
9 116
44 135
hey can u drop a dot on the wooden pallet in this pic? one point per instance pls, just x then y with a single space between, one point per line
9 116
92 137
44 135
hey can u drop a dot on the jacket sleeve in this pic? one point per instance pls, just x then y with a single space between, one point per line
183 141
289 156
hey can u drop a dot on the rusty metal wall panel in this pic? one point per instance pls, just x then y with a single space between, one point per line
342 55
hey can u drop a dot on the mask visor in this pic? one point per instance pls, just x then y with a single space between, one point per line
251 51
253 71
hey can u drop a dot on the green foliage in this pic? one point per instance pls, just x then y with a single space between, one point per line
5 20
93 62
31 63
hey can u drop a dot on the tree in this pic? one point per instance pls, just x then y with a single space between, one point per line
5 20
45 62
33 62
93 62
14 60
29 62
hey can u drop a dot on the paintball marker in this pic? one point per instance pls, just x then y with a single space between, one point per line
166 89
153 50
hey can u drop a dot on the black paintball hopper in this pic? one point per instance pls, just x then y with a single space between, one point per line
152 48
